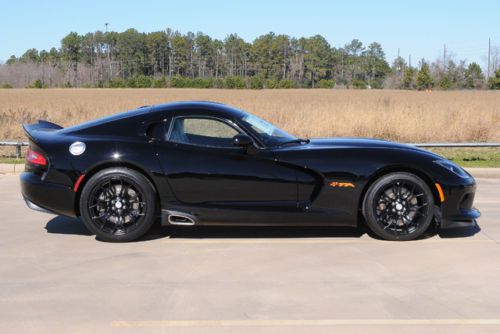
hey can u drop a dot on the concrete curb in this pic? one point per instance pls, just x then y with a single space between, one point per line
488 173
11 168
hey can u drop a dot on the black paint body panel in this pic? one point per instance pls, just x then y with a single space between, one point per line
288 185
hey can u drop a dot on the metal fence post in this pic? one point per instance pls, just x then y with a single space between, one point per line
18 146
18 151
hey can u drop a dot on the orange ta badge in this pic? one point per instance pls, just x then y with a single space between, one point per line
342 184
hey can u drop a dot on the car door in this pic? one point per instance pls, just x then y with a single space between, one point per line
205 169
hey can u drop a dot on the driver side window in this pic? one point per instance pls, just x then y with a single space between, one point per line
202 132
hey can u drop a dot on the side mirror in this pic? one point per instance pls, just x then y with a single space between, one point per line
242 140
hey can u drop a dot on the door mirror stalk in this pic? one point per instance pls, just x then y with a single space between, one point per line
242 140
246 142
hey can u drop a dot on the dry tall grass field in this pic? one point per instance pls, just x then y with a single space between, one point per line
395 115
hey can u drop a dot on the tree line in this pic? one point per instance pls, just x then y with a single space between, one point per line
172 59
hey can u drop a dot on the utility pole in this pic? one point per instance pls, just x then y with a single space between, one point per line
398 62
342 56
109 55
409 61
444 57
489 56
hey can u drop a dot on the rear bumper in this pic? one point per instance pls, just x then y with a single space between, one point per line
35 207
46 196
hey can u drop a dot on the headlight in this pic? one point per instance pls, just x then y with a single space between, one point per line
457 170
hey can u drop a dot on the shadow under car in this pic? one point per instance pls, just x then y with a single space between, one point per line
68 225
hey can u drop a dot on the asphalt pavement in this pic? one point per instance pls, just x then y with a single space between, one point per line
55 277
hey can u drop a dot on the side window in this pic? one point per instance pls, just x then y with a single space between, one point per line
156 131
202 132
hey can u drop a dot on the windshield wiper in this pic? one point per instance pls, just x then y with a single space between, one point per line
295 141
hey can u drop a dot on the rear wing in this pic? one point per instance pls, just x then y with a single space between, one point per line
36 130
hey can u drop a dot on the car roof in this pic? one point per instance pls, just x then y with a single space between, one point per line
215 107
218 109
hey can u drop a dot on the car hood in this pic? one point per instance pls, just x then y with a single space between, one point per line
357 142
336 143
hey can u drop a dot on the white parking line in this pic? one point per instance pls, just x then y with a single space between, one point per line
305 322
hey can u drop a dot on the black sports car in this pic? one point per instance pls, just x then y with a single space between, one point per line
205 163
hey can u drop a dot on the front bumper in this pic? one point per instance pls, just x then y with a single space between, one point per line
466 218
42 195
457 210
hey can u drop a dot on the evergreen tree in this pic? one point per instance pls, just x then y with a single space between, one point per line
445 83
494 82
71 47
409 78
424 79
474 77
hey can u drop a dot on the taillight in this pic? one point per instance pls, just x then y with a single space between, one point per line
35 158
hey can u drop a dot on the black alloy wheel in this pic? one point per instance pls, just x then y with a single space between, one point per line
399 206
118 204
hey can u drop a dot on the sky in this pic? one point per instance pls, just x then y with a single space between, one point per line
417 28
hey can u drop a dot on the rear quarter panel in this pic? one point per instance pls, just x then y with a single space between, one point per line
136 153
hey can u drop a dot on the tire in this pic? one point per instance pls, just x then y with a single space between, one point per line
118 204
398 206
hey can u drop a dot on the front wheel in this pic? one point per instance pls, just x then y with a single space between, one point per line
398 206
118 204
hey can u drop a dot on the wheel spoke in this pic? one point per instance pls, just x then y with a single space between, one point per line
416 196
124 192
394 190
385 198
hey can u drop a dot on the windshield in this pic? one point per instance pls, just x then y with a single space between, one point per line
269 134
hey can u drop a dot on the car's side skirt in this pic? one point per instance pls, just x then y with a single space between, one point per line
233 217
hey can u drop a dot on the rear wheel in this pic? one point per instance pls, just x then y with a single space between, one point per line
118 204
398 206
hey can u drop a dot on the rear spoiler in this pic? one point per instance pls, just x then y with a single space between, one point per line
42 127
